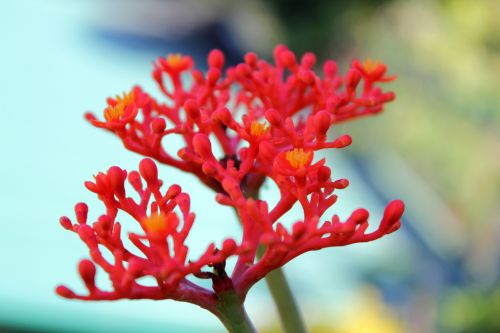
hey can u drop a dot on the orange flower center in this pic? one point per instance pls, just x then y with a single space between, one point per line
156 223
371 65
115 112
258 128
175 60
298 157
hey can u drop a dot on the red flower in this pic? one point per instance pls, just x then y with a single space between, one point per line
268 119
157 213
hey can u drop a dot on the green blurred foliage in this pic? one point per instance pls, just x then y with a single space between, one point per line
471 312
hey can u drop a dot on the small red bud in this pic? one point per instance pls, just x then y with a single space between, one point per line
341 183
243 70
308 60
223 115
330 68
202 145
135 180
288 59
158 125
192 108
81 210
66 223
209 169
343 141
231 186
148 171
223 199
392 214
251 59
65 292
228 246
116 178
92 187
352 79
173 191
105 221
157 75
213 76
197 76
298 229
216 59
86 233
359 216
307 76
324 174
273 117
322 122
87 271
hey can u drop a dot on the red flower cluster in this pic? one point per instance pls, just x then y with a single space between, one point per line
269 120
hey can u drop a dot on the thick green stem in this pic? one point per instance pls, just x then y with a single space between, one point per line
232 313
289 313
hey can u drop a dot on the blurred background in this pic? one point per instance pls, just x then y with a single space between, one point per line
437 147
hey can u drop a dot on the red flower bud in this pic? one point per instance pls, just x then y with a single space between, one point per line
116 178
330 68
223 115
298 229
228 246
213 76
135 180
308 60
65 292
324 174
216 59
288 59
352 79
148 171
392 214
307 76
158 125
92 187
273 117
66 223
81 210
251 59
342 141
341 183
202 145
231 186
359 216
173 191
243 70
192 108
209 169
322 122
87 271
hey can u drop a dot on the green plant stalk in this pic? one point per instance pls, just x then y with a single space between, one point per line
288 311
232 314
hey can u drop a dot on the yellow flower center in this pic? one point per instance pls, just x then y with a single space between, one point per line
174 60
116 112
258 128
370 65
298 157
155 223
